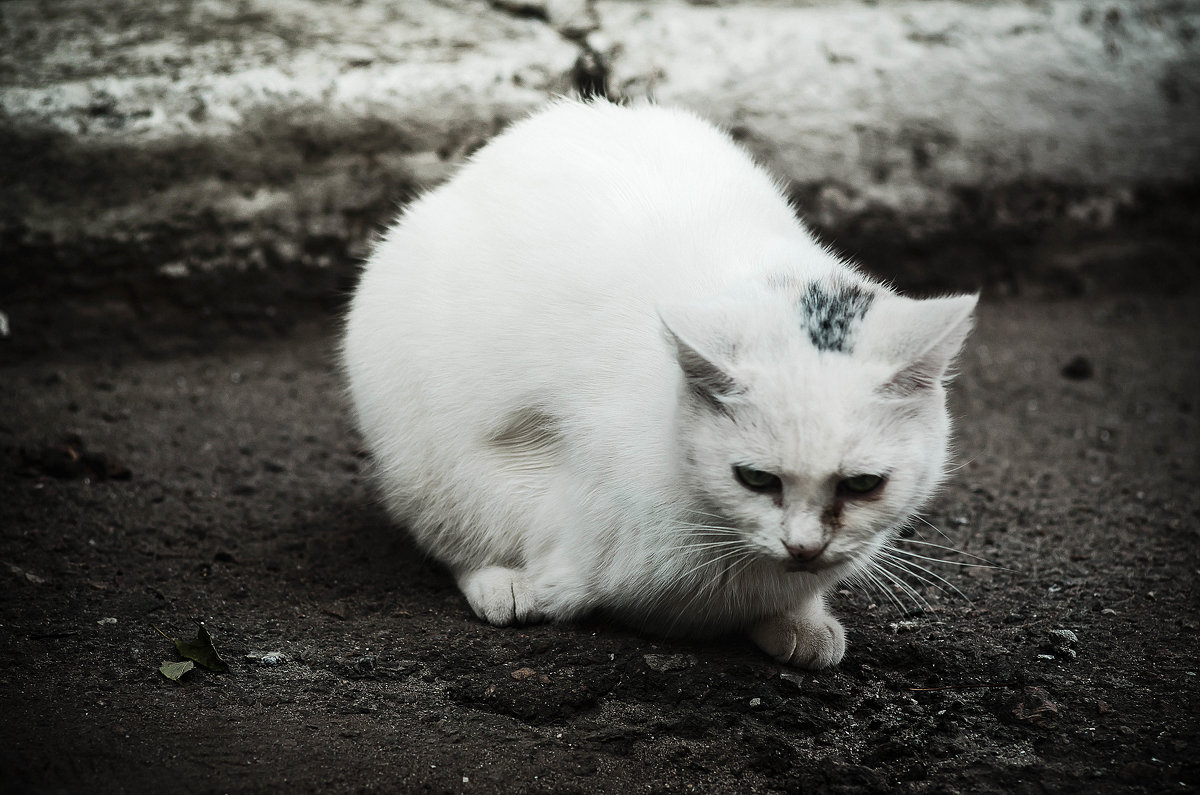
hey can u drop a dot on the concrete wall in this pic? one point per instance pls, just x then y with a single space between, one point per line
178 137
898 103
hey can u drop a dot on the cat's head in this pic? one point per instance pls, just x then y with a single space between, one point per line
813 416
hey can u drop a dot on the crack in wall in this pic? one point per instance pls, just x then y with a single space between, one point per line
575 21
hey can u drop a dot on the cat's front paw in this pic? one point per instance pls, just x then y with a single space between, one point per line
814 640
501 596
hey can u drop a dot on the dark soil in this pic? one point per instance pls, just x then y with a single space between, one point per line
153 491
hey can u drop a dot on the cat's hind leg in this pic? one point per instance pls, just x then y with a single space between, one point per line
808 639
501 596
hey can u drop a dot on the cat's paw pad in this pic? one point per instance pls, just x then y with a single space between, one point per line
811 641
501 596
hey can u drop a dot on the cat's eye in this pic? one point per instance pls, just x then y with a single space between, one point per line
757 480
861 485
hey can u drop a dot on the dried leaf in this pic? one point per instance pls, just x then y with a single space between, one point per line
1035 707
201 650
175 670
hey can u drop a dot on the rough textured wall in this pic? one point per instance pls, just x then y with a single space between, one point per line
897 104
141 143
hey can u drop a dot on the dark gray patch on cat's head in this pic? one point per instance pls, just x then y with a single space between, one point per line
787 283
829 313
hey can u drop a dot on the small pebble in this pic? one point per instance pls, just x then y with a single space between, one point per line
267 657
1063 643
1078 369
669 662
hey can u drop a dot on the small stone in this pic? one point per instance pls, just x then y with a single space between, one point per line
1063 642
267 657
105 621
28 575
755 703
792 678
1035 707
1078 369
669 662
521 674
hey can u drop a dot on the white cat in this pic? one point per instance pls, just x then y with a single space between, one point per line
604 368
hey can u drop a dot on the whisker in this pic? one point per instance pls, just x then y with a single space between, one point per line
873 578
699 545
746 564
965 463
910 566
935 528
912 554
710 561
868 579
904 586
704 528
901 572
707 515
708 586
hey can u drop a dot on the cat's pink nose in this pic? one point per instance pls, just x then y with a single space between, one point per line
805 553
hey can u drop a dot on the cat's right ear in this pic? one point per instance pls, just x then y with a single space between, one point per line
705 379
924 335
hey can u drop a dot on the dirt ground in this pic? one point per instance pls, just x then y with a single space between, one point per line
141 490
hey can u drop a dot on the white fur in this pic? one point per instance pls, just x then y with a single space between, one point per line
515 359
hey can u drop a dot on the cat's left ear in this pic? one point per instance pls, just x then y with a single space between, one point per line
705 378
922 336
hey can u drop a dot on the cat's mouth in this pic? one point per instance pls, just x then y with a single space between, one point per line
814 566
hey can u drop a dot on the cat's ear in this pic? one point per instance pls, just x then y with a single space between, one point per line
705 378
923 337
